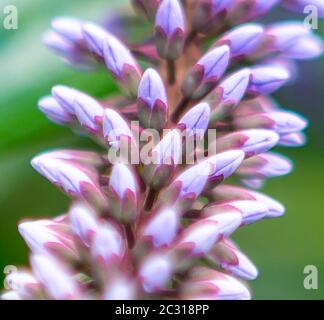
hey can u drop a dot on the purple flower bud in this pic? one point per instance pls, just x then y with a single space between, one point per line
123 193
152 101
281 122
267 79
147 8
230 258
265 166
162 228
205 74
155 272
243 40
195 121
170 29
294 40
121 63
65 96
300 5
107 246
225 164
201 236
54 111
83 222
208 284
232 193
250 210
115 128
95 36
44 236
167 155
294 139
55 277
252 142
59 44
69 28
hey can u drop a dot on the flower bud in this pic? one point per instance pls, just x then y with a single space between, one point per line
83 222
250 210
170 29
265 165
69 28
242 40
152 101
252 142
123 193
54 111
94 36
166 157
155 272
161 229
55 277
281 122
200 237
294 40
230 258
208 284
267 79
205 74
294 139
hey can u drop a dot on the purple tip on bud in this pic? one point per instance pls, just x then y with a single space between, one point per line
152 101
281 122
170 29
196 120
208 284
54 111
294 40
243 40
155 272
201 236
299 6
267 79
69 28
58 281
205 74
230 258
252 142
123 193
162 228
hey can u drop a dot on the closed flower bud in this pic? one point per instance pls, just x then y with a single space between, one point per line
208 284
166 157
294 139
205 74
200 237
267 79
252 142
281 122
230 258
170 29
250 210
152 101
243 40
54 111
265 166
55 277
121 64
83 222
294 40
45 236
123 193
161 229
95 37
65 96
69 28
155 272
195 121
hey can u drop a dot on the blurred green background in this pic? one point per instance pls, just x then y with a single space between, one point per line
281 248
